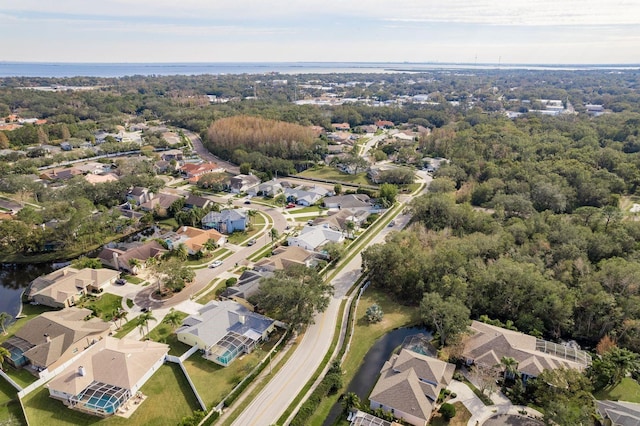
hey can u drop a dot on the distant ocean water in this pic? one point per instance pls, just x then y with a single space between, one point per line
51 69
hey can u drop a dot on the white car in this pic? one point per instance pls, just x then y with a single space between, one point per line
215 264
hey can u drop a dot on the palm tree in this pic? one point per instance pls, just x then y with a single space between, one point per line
252 214
135 265
4 355
118 315
350 400
182 251
274 235
510 367
172 318
4 318
350 226
143 321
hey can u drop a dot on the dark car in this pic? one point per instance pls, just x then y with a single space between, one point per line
121 281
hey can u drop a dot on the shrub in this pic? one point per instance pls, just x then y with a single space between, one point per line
447 410
374 313
231 281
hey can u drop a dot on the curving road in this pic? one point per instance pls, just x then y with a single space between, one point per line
280 392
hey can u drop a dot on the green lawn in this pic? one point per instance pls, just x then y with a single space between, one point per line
627 390
102 306
364 336
310 209
331 173
240 236
125 329
132 279
169 400
164 333
10 411
20 376
214 382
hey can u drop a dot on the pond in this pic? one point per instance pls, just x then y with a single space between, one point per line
15 277
367 375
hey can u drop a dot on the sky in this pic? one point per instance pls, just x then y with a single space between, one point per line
459 31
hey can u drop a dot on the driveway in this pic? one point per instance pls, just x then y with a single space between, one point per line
502 413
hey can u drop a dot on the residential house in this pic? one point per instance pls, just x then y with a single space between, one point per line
314 237
384 124
56 175
270 188
618 413
52 338
197 201
194 239
350 202
338 220
224 330
226 221
341 126
247 286
375 172
284 257
409 386
139 195
242 183
161 202
305 196
194 171
172 154
65 287
488 344
131 260
108 375
95 179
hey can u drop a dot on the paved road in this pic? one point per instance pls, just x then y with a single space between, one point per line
208 156
274 399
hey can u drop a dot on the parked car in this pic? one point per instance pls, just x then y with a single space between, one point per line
247 202
251 242
121 281
215 264
392 223
290 206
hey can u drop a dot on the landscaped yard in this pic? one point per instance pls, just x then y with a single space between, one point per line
462 417
364 336
333 174
164 333
169 400
103 306
132 279
214 382
627 390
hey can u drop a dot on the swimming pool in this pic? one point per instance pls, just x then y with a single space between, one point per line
103 403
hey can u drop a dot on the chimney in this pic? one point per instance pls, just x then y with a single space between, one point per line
47 338
115 260
81 371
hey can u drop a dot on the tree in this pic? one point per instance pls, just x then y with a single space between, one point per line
274 235
387 194
118 316
182 252
374 313
485 377
448 411
337 189
294 295
350 226
334 250
4 319
4 356
143 321
565 396
449 317
245 168
350 401
172 318
510 366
